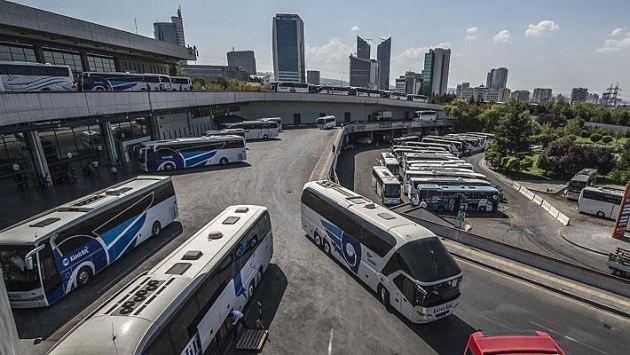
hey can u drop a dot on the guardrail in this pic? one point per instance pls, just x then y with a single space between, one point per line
562 268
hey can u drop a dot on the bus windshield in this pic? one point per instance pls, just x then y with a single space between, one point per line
16 276
428 260
392 190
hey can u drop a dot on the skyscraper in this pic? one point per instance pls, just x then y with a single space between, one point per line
436 67
171 32
360 72
497 78
242 59
288 48
383 55
579 95
363 49
542 95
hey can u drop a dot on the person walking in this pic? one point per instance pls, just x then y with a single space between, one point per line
423 204
114 172
414 200
237 318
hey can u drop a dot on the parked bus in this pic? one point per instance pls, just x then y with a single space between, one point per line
46 256
410 158
400 153
257 129
425 115
585 177
180 83
226 132
454 198
527 342
436 170
398 96
457 148
404 140
289 87
112 81
386 185
472 145
277 120
404 263
425 145
413 147
326 122
24 76
335 90
389 161
355 91
418 98
600 201
182 153
91 140
442 180
181 305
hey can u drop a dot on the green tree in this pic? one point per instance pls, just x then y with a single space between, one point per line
490 117
573 126
596 137
585 133
620 133
512 138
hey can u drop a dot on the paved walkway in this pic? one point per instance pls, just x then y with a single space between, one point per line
17 207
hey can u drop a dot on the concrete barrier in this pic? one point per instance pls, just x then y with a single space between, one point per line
537 200
516 185
545 205
563 219
553 212
523 190
530 195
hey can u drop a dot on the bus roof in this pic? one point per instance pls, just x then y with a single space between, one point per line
175 278
385 175
399 227
43 225
210 138
458 188
443 179
608 190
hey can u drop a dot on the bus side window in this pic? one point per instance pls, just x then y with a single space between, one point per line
408 289
161 344
179 327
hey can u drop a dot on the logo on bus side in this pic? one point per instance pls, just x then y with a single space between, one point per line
74 257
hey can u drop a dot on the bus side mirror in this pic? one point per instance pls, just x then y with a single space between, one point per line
29 263
28 258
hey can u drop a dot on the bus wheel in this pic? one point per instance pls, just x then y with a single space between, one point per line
156 229
600 214
223 161
265 137
318 240
250 291
169 167
327 248
383 296
259 276
84 276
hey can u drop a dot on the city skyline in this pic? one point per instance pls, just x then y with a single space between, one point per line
537 41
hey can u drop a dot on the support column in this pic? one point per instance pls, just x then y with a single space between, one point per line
9 342
39 156
108 137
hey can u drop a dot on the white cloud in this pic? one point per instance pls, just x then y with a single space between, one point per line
331 58
354 28
616 32
458 54
412 59
418 52
543 28
472 34
503 37
615 44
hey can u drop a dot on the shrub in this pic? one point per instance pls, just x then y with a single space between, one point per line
596 137
585 133
607 139
572 138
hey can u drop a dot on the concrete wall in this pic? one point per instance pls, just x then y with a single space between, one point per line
178 125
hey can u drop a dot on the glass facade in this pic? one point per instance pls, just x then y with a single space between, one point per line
286 36
165 32
16 165
383 55
10 52
363 49
359 72
101 64
427 79
73 60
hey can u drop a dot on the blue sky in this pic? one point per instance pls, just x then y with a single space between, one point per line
549 43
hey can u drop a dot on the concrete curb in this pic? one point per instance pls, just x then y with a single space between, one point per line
546 206
582 247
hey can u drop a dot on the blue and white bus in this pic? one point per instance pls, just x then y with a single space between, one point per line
191 152
258 130
23 76
453 198
45 257
288 87
181 305
112 81
356 91
404 263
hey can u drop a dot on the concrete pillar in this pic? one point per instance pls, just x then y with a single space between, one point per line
37 150
154 123
108 137
9 341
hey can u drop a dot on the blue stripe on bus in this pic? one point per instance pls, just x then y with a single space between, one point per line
198 157
345 244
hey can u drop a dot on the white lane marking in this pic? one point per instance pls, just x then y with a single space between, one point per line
567 337
330 341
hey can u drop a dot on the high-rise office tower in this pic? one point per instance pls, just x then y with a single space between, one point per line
171 32
542 95
363 49
497 78
383 56
288 48
242 59
579 95
436 67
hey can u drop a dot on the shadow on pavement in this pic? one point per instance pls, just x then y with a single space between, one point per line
201 169
43 322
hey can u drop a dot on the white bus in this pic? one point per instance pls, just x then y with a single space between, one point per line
389 161
453 198
46 256
226 132
424 145
404 263
335 90
289 87
585 177
600 201
409 158
425 115
442 180
277 120
113 81
258 130
184 153
356 91
386 185
435 171
24 76
326 122
398 95
431 164
180 83
181 305
404 140
417 98
457 146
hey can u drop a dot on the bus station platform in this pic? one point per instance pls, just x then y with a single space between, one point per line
594 238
